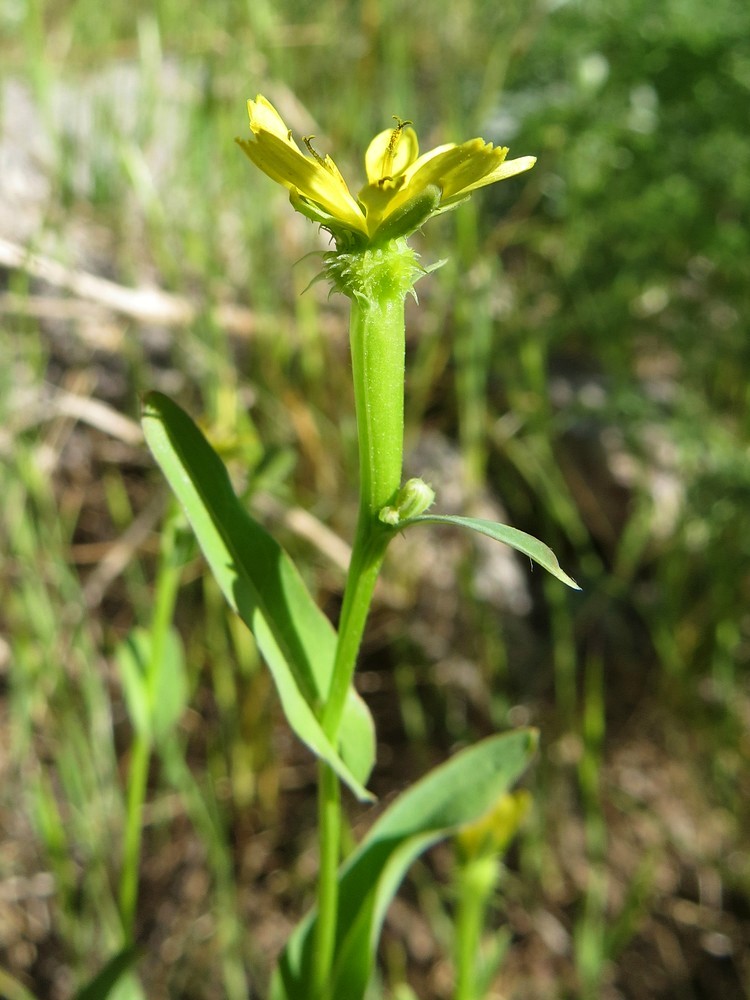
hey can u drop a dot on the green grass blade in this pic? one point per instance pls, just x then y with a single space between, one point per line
519 540
258 580
109 978
452 795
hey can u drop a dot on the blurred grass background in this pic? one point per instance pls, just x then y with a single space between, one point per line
578 368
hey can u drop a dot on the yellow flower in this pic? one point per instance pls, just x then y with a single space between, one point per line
403 189
491 834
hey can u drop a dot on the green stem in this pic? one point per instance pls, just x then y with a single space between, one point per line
140 755
329 840
377 343
363 571
475 884
377 347
367 558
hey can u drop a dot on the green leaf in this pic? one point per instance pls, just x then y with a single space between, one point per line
156 703
519 540
454 794
262 584
357 742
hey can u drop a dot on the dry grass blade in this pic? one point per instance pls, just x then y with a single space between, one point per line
146 305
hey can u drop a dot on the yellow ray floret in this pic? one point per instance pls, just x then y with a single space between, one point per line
397 176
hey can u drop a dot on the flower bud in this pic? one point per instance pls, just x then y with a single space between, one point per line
413 499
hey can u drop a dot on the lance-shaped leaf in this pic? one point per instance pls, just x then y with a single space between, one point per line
454 794
519 540
262 584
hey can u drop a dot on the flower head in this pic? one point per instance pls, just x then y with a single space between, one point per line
403 189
